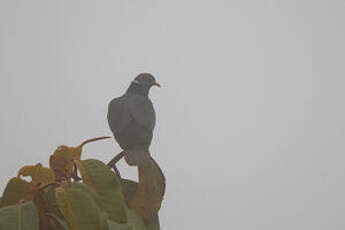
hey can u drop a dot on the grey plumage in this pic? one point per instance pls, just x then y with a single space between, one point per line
132 119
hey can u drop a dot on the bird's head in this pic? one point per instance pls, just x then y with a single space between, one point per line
146 80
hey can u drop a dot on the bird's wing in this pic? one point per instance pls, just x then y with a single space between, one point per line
118 114
142 111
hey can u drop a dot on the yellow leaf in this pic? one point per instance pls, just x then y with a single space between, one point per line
16 190
62 161
38 174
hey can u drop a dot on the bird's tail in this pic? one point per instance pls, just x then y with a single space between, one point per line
137 157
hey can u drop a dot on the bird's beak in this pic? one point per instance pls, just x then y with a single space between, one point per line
156 84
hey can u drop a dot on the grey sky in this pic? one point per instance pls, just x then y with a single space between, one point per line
250 117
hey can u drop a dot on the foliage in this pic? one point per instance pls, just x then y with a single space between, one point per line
102 200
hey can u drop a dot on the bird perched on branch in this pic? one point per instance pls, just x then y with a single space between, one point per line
132 119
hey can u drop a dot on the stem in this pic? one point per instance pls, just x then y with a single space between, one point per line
112 163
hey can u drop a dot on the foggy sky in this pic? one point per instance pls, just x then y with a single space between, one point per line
250 117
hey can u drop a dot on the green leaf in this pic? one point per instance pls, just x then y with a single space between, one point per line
16 190
79 209
50 200
129 189
107 185
60 223
153 224
151 188
115 226
90 191
135 221
19 217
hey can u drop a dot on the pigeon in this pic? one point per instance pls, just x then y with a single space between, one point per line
132 119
